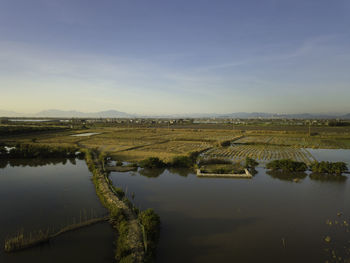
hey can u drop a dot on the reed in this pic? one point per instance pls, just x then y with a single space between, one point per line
21 241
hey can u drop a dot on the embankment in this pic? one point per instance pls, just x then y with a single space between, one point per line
131 245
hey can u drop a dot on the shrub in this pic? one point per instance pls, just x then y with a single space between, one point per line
336 168
182 161
286 165
150 222
225 143
250 163
119 192
214 161
152 162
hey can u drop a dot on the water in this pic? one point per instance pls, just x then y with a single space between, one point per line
264 219
30 120
37 194
85 134
331 155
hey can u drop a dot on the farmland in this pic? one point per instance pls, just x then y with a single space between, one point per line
135 144
262 153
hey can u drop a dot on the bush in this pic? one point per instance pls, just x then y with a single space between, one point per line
182 161
286 165
250 163
42 151
225 143
214 161
152 162
119 192
336 168
235 168
151 225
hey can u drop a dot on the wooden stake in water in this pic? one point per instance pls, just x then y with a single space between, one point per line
284 243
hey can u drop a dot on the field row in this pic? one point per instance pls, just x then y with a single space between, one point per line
300 141
260 152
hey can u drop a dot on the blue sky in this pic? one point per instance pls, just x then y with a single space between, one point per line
193 56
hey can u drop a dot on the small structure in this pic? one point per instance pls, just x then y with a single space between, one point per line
247 174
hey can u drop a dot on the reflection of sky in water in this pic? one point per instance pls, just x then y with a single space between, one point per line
239 220
52 194
331 155
85 134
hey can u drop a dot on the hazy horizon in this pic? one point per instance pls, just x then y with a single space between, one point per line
55 113
183 57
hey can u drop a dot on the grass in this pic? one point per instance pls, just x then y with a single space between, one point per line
123 214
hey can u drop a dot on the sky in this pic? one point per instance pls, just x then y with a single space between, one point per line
175 57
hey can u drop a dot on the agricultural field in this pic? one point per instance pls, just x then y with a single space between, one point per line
135 144
327 142
261 153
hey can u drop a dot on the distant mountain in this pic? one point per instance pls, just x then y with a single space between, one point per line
263 115
78 114
5 113
53 113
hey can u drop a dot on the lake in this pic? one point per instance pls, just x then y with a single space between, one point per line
51 194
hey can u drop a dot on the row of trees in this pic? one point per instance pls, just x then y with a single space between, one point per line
177 161
35 151
16 130
287 165
329 167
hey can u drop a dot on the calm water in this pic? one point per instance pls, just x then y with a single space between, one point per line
331 155
51 194
85 134
241 220
266 219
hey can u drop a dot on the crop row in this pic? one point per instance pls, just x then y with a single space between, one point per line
261 153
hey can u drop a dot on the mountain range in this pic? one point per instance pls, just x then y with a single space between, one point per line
52 113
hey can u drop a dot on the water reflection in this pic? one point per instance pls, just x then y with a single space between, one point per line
35 162
180 171
328 177
221 220
41 194
151 173
286 176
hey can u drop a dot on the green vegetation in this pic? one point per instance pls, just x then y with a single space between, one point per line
152 162
233 168
150 223
36 151
119 192
213 161
182 161
225 143
336 168
287 165
328 177
130 244
20 241
7 130
177 162
287 176
250 163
